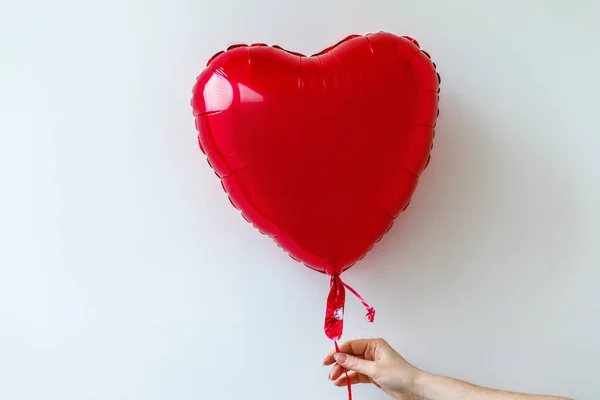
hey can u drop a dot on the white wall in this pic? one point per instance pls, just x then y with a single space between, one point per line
126 274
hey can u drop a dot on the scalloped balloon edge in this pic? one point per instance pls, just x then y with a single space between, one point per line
324 51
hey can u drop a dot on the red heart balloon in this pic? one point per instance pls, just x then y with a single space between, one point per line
323 152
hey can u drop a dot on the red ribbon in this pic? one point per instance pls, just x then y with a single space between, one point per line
370 310
337 350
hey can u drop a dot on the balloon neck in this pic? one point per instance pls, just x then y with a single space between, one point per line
334 313
334 268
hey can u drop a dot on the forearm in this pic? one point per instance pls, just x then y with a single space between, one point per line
433 387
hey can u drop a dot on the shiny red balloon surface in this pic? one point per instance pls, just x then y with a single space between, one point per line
323 152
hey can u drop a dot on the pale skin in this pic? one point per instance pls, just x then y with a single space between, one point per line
375 361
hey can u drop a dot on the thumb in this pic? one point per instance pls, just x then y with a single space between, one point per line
355 364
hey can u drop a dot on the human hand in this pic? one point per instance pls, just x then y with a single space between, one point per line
374 361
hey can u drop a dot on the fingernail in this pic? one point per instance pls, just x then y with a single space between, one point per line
340 357
329 376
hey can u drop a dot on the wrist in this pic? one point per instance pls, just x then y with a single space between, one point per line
415 388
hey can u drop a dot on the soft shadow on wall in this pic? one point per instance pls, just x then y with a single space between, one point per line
472 268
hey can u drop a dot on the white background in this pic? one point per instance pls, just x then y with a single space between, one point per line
126 274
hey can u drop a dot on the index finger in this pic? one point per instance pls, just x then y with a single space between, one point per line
353 347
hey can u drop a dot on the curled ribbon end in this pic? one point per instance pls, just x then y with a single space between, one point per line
370 314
